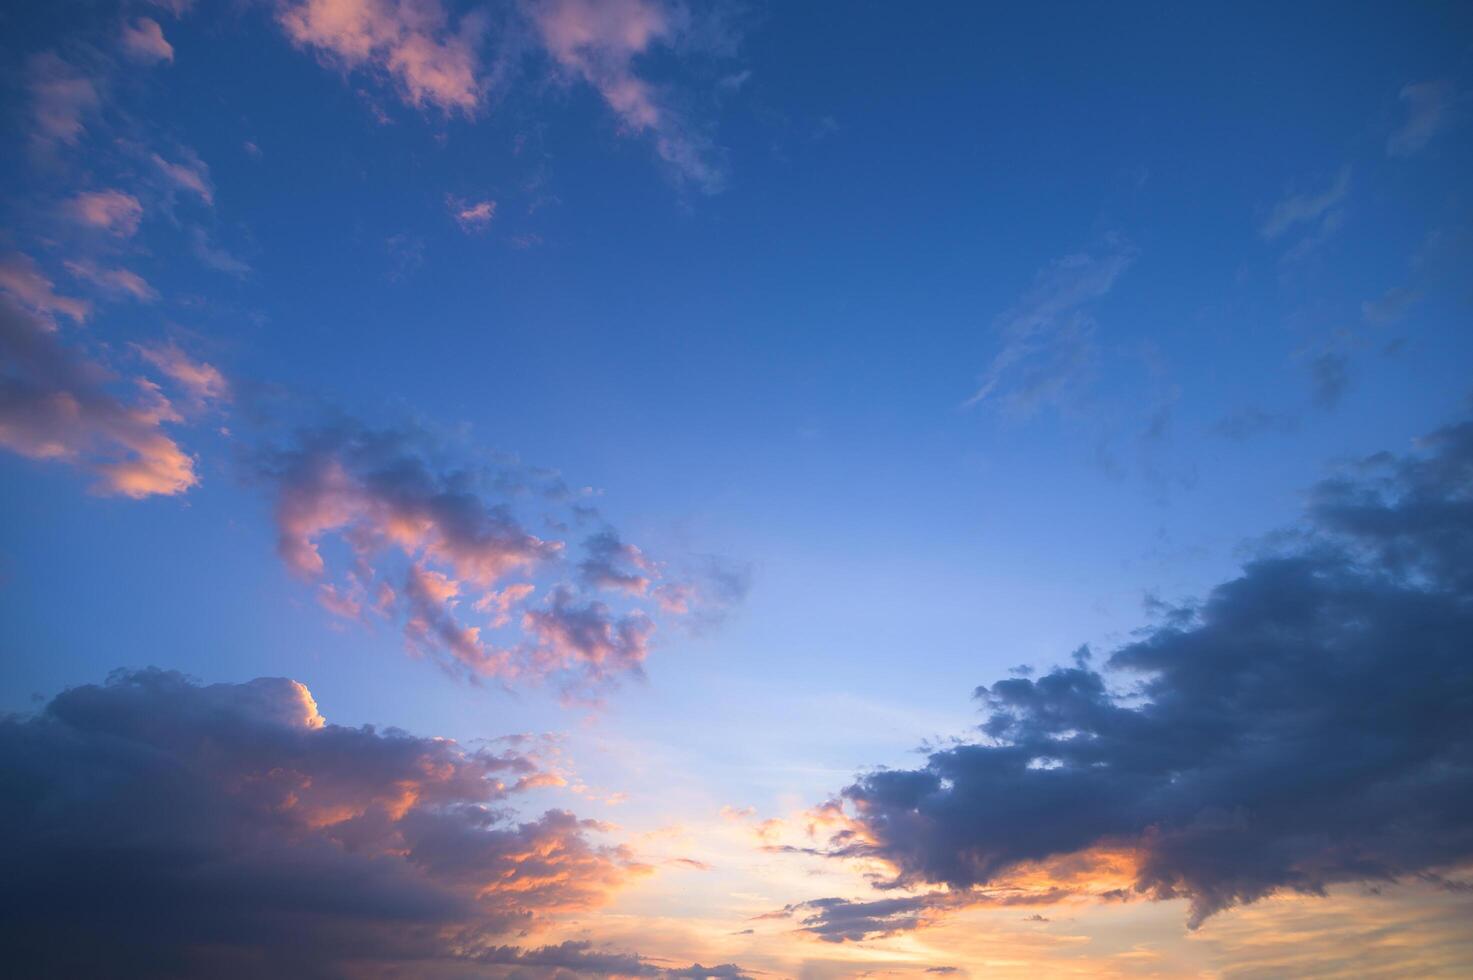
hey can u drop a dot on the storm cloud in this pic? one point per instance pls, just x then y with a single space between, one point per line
1306 725
151 826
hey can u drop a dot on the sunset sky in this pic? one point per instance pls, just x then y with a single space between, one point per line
634 488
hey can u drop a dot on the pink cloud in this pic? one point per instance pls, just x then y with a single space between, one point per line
598 42
110 210
57 405
471 216
23 280
116 281
143 40
61 96
192 175
202 382
410 40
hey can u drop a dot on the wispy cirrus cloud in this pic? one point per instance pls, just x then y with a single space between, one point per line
1429 107
62 97
1315 216
471 215
1047 343
30 287
599 44
376 847
114 281
1302 727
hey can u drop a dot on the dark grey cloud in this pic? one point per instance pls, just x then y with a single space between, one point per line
578 958
151 826
1330 378
1246 423
1306 725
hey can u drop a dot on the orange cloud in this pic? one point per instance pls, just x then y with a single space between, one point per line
57 405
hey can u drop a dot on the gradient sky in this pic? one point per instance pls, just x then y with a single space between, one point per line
718 395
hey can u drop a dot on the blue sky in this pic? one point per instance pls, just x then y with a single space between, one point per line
955 338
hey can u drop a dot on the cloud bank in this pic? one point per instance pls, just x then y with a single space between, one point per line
1306 725
154 826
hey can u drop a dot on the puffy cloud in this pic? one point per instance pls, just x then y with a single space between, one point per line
143 40
28 286
56 405
598 42
1047 337
577 958
152 825
1305 725
586 638
395 524
610 563
62 95
110 210
1429 107
411 40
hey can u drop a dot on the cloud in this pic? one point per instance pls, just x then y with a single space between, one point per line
62 96
143 40
202 382
116 282
1246 423
112 211
1319 211
57 405
579 958
1304 726
1047 338
1429 108
443 545
192 175
214 256
471 216
153 824
412 41
599 42
1330 377
609 563
28 285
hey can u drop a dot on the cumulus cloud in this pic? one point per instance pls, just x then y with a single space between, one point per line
1047 337
55 404
445 547
434 61
599 43
113 211
153 825
579 958
143 40
1429 107
1305 725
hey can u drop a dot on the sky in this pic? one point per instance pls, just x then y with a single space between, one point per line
622 488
